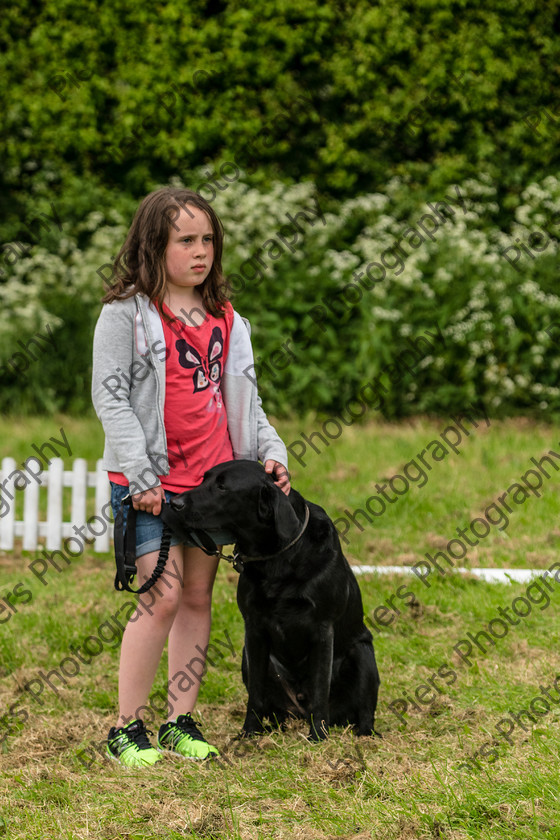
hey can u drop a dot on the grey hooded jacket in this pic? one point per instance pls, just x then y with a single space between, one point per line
128 392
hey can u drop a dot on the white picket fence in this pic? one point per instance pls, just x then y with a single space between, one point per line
54 529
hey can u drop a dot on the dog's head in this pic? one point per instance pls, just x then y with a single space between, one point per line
241 497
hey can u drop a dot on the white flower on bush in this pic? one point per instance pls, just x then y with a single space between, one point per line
463 266
381 314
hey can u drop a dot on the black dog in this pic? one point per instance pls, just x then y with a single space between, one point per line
307 650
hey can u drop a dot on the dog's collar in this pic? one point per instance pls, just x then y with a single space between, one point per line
238 559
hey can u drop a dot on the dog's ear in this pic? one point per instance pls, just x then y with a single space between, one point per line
273 503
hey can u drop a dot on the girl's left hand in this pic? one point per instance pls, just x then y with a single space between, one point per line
280 473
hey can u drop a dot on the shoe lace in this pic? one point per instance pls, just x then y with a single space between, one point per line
138 734
188 726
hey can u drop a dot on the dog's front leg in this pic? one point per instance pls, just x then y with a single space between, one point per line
320 672
257 653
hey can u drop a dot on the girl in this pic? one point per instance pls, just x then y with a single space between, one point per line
171 388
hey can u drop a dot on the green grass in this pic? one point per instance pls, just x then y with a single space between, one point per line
409 783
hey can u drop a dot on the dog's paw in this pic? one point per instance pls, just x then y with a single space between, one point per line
249 733
318 729
316 737
366 733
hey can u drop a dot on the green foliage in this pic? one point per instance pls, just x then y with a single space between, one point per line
379 108
58 292
324 324
345 94
493 312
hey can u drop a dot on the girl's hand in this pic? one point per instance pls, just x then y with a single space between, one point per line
150 500
280 473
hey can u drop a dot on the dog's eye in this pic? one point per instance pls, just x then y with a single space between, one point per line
220 484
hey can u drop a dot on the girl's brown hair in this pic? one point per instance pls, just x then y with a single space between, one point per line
140 264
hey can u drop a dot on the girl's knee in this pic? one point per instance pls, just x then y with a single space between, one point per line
198 583
197 598
160 602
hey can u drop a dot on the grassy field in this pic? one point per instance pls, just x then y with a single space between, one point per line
458 757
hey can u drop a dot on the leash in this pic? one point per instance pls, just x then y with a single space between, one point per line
238 559
125 549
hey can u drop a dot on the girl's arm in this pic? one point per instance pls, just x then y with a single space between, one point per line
113 347
261 441
269 443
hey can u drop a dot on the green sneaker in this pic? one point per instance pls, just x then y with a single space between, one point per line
183 737
130 745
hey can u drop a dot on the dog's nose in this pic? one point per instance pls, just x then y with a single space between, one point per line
177 504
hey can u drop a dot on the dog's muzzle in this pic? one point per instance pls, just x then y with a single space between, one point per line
177 504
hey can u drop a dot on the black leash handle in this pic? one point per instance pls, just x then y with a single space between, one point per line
125 551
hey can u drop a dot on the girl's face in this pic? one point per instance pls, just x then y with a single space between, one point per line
190 249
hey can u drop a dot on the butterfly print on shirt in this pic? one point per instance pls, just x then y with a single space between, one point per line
208 371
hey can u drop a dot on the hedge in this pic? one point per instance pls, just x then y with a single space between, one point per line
104 100
336 302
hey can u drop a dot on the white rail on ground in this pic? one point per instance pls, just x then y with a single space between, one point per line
55 529
489 575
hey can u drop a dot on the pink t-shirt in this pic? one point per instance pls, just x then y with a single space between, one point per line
194 413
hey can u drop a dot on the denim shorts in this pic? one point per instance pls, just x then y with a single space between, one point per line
149 528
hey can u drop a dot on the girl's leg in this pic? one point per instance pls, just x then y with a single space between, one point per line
190 632
144 636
